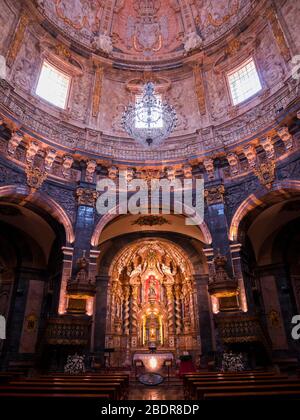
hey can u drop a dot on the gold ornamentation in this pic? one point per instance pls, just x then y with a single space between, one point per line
151 221
221 285
62 51
210 168
199 86
35 177
233 46
214 195
82 21
86 197
265 172
274 318
278 34
17 39
97 91
31 323
221 20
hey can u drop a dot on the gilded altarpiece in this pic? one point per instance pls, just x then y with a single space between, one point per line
151 301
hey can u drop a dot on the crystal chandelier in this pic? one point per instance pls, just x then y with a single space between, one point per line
149 121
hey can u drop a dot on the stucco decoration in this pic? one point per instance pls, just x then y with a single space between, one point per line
104 43
27 63
144 28
192 41
81 18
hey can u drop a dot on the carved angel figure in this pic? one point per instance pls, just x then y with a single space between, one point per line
192 41
104 43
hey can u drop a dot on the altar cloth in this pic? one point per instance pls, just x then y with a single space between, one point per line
153 361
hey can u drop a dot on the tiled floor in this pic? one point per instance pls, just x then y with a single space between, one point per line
160 392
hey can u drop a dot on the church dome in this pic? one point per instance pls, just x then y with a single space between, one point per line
103 52
143 30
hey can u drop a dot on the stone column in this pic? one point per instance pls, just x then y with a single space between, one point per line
85 219
205 315
217 220
66 275
90 305
279 304
32 316
25 312
245 295
273 312
100 314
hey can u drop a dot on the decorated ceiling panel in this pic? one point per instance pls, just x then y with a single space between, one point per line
144 29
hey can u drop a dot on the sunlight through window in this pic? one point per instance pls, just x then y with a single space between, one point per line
53 85
244 82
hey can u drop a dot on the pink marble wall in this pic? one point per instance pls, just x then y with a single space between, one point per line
273 313
32 311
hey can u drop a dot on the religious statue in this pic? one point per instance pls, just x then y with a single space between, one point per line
151 290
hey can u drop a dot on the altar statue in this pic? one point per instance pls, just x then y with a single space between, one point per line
151 290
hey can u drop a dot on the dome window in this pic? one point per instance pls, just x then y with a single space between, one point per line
244 82
53 85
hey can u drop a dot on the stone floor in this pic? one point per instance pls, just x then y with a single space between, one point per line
172 391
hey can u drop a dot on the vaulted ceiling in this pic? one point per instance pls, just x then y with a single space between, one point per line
144 29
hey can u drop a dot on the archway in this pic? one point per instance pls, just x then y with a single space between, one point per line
268 228
31 261
151 300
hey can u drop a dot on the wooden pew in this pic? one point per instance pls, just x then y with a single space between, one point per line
113 391
238 383
121 383
7 396
257 388
82 380
190 379
272 395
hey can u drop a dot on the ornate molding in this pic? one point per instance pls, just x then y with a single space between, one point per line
35 177
97 91
214 195
86 197
151 221
278 34
17 39
220 284
199 87
265 172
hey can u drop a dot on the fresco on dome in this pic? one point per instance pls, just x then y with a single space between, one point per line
144 28
80 18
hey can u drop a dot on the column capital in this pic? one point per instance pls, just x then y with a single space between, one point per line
214 194
86 196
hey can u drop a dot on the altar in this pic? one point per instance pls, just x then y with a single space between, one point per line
153 362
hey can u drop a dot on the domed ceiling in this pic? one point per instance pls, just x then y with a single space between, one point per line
144 29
